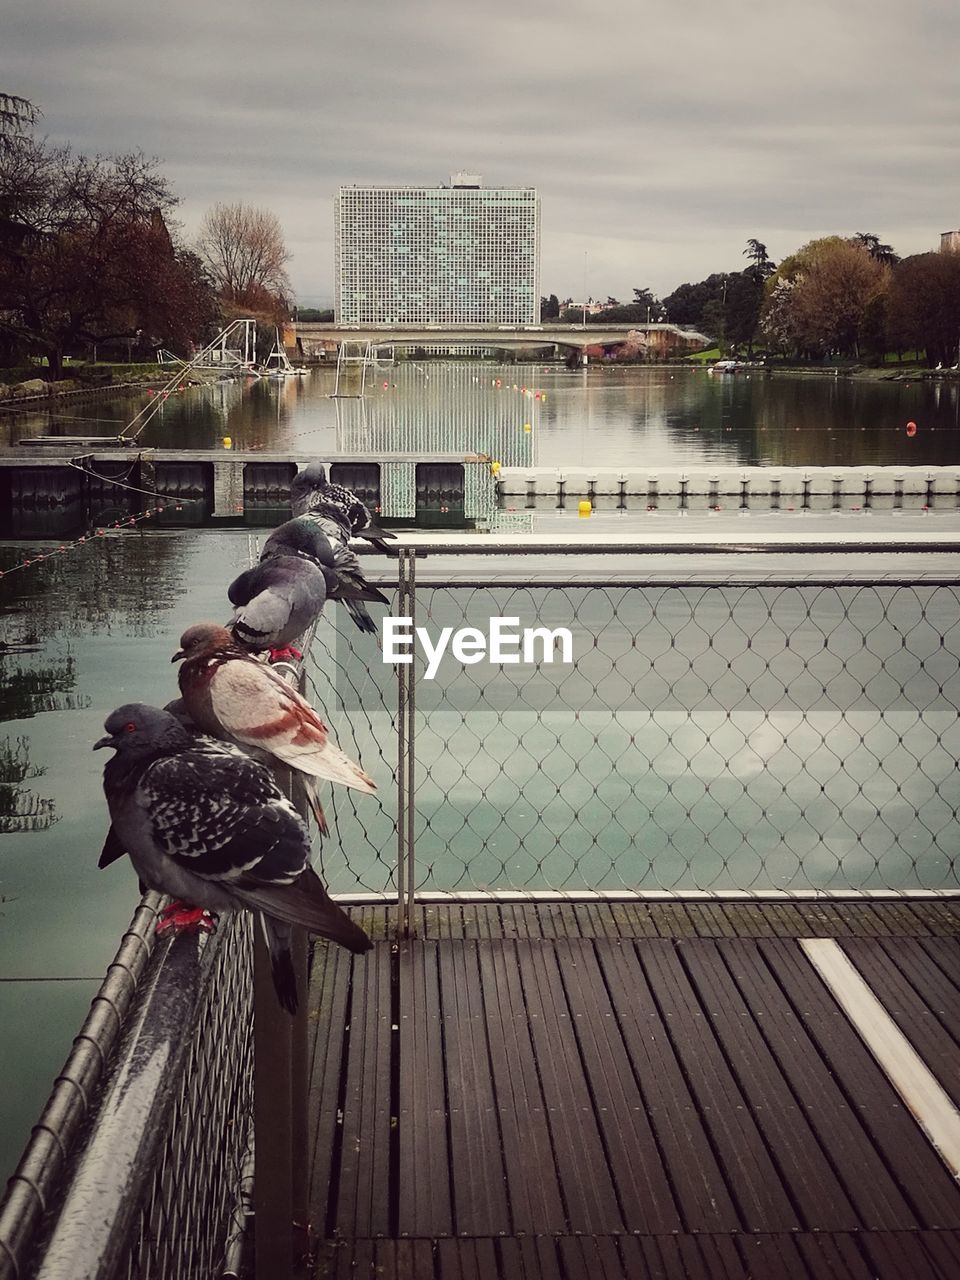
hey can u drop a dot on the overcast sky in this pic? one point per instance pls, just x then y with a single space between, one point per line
660 136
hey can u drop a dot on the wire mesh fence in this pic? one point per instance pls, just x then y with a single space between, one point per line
789 736
189 1216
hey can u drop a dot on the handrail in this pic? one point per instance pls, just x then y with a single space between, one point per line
92 1231
30 1188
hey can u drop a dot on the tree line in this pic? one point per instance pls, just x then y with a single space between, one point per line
92 259
847 297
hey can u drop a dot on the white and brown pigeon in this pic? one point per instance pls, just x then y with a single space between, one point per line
318 541
276 602
204 822
231 695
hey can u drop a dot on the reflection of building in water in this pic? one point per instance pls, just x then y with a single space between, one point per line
442 408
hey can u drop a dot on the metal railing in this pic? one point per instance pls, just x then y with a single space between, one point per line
757 736
760 735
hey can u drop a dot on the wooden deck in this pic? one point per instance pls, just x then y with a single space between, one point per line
640 1090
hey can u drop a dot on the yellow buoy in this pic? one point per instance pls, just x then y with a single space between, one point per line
228 442
584 508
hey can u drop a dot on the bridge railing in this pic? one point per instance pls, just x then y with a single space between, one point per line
758 735
763 734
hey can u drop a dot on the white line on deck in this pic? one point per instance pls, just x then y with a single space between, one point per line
908 1073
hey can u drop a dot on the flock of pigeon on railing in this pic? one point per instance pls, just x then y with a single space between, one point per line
192 798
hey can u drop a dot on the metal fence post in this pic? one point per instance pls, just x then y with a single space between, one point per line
410 875
280 1064
401 753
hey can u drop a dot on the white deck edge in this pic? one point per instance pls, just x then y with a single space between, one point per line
436 896
913 1080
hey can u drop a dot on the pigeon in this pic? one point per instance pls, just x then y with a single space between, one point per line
317 540
276 601
204 822
312 494
229 694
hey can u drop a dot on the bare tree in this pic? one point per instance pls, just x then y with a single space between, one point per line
15 115
243 249
86 255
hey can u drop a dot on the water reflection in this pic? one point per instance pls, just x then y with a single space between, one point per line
20 808
444 408
658 416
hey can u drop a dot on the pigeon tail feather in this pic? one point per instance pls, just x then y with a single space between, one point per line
316 808
360 616
307 903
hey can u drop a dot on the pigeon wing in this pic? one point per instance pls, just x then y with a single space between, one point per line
257 707
308 904
221 816
113 849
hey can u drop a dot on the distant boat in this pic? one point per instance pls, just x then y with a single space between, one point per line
724 366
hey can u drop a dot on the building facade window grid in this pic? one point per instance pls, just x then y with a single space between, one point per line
437 255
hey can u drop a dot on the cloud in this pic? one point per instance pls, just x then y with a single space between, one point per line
659 137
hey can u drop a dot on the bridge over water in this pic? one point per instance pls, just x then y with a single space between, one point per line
313 337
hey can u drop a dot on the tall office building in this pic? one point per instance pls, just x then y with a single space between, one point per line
458 255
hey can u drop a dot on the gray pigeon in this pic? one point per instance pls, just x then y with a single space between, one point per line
322 541
311 493
205 823
276 602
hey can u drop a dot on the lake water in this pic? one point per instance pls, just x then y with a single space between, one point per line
510 791
658 416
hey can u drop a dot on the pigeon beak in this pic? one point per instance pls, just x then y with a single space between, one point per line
104 742
178 655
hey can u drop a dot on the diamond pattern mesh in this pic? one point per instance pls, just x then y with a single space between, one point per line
185 1218
711 737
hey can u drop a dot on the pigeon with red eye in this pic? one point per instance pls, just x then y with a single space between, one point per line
231 695
204 822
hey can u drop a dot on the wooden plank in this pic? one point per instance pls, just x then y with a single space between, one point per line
943 1250
329 994
807 1174
710 1255
636 1164
363 1192
589 1258
946 954
424 1159
849 1147
466 1260
921 1176
896 1256
582 1167
533 1191
835 1256
476 1153
910 1007
699 1185
752 1177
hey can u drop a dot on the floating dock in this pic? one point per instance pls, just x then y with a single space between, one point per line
67 486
